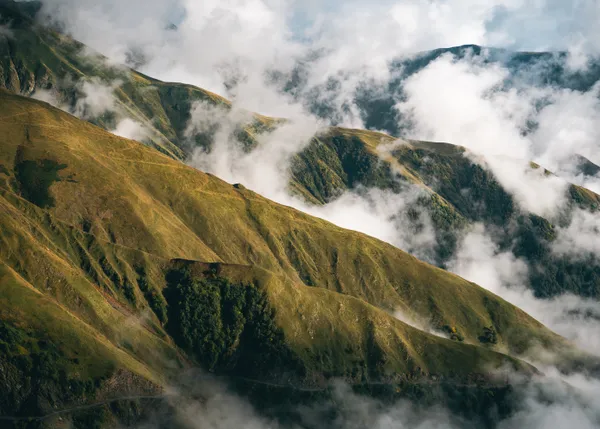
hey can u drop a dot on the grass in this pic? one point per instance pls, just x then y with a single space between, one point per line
39 58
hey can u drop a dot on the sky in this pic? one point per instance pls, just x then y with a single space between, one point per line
274 31
515 24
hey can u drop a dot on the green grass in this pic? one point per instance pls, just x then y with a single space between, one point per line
39 58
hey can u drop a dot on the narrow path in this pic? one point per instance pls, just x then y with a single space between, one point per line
78 408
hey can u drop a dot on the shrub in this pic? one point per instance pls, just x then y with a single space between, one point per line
224 326
489 336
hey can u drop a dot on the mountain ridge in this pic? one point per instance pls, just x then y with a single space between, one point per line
90 268
121 267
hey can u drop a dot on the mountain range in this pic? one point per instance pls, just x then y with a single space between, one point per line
121 267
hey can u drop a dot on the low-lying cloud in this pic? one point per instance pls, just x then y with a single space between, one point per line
479 260
580 238
552 400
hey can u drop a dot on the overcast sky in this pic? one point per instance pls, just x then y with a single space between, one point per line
522 24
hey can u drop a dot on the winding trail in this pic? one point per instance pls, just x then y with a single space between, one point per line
78 408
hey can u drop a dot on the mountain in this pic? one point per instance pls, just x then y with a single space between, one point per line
38 59
377 101
458 193
121 266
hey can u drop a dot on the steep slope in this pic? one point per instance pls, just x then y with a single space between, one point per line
457 193
42 62
96 231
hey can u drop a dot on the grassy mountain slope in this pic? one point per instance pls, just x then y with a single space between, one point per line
37 58
95 231
458 192
34 59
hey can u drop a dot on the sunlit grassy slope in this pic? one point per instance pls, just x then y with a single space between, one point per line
459 192
91 224
34 59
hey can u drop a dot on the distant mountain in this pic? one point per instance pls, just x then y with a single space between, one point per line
377 101
585 167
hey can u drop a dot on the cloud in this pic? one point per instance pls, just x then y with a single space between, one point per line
396 218
230 47
479 260
220 408
558 401
392 217
581 238
554 400
97 98
477 111
6 31
567 125
50 97
131 129
418 322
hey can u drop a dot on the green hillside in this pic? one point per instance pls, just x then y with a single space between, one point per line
458 193
36 59
99 236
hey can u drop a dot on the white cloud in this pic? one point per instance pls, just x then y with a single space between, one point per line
476 112
245 38
581 238
97 98
479 260
552 402
266 170
49 97
131 129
